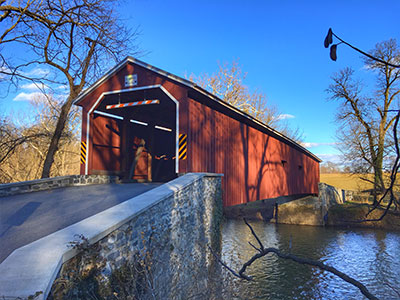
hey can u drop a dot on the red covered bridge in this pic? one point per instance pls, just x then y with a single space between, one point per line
143 123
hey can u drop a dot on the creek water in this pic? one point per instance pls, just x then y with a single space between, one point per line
370 256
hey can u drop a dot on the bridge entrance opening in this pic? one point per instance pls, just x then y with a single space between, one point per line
134 136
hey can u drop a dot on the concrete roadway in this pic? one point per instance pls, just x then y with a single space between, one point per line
24 218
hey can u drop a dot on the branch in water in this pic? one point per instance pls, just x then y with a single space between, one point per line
305 261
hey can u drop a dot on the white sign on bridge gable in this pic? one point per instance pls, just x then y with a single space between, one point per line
130 80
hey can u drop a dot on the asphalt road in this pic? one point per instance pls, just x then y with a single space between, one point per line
27 217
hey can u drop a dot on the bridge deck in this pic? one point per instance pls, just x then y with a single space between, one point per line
25 218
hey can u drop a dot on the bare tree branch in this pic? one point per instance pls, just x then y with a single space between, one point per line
254 234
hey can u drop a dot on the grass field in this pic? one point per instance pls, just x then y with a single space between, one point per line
353 182
347 181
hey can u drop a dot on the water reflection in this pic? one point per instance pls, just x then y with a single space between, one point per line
371 256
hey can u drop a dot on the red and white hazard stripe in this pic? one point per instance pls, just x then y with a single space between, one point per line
121 105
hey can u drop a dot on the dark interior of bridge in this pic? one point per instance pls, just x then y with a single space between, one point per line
147 135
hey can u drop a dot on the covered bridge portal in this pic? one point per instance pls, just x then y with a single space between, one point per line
140 122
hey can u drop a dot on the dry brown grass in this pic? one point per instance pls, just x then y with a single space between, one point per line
352 182
347 181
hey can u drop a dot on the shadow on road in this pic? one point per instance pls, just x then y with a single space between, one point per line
20 216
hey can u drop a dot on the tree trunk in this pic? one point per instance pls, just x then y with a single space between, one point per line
379 164
55 139
379 185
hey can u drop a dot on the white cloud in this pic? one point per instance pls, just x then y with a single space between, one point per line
284 117
62 87
311 145
31 90
335 158
33 86
4 69
27 96
36 72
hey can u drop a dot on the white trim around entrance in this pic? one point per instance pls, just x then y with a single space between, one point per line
132 90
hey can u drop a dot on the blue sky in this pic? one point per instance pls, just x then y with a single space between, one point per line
278 43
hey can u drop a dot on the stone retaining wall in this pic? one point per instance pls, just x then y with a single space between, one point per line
305 211
171 237
313 210
52 183
331 195
169 227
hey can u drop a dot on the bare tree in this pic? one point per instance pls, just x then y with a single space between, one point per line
25 139
11 139
76 39
329 168
364 117
228 84
386 65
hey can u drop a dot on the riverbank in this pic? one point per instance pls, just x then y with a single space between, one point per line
332 207
354 215
294 210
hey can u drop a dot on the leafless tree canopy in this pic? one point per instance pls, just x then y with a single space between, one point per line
329 168
365 117
228 84
77 40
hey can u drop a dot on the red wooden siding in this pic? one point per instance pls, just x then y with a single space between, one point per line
250 159
106 144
